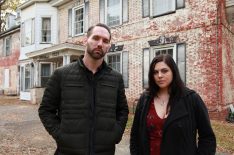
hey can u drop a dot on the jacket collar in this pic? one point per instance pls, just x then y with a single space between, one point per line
178 110
82 65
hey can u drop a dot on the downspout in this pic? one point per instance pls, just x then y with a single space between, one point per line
218 83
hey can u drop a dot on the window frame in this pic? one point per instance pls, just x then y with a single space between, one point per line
40 73
121 61
7 48
31 31
48 17
123 12
147 8
82 6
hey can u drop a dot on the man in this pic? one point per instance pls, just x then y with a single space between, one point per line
84 106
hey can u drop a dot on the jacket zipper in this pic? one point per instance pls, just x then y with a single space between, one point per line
92 120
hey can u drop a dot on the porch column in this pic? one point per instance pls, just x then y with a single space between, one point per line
36 71
66 59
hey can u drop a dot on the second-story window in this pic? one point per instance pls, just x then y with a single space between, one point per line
78 21
46 30
160 7
113 12
27 33
7 46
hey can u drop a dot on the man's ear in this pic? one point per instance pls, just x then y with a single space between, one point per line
85 40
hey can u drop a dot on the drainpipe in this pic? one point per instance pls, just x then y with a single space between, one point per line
218 109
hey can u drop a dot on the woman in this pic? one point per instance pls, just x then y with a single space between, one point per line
169 115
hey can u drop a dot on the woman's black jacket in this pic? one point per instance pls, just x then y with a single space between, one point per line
188 116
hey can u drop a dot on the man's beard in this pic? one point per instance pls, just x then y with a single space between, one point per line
95 55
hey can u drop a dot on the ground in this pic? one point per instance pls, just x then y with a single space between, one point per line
21 132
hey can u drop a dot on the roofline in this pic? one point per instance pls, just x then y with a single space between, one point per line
10 31
57 47
57 3
29 3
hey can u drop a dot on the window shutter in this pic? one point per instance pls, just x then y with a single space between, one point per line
10 45
125 68
180 4
181 60
33 31
86 16
69 22
102 11
22 34
145 8
145 68
125 10
4 47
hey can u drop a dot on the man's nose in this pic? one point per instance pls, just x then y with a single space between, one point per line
100 42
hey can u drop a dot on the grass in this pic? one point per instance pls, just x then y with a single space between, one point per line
224 133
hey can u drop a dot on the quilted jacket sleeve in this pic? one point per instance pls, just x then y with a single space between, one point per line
49 107
122 109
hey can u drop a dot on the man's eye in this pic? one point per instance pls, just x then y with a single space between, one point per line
106 41
95 38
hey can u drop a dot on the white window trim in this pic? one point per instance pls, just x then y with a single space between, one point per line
32 32
173 46
121 58
120 14
22 81
73 19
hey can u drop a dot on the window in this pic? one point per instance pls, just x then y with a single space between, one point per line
25 76
6 78
45 73
78 23
7 46
28 32
78 19
46 30
176 51
160 7
119 62
113 12
114 61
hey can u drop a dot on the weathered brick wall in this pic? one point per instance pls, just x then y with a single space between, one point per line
11 63
196 25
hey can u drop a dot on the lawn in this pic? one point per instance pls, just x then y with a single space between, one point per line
224 134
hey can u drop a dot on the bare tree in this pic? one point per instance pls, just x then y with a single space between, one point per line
1 6
7 5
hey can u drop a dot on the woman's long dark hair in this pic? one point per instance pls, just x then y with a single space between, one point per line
176 87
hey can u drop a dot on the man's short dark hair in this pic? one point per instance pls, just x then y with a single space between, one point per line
89 32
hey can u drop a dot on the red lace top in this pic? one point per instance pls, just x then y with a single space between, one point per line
154 129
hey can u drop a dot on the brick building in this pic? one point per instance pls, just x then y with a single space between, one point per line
9 56
198 34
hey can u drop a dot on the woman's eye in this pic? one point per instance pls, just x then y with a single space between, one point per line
164 71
